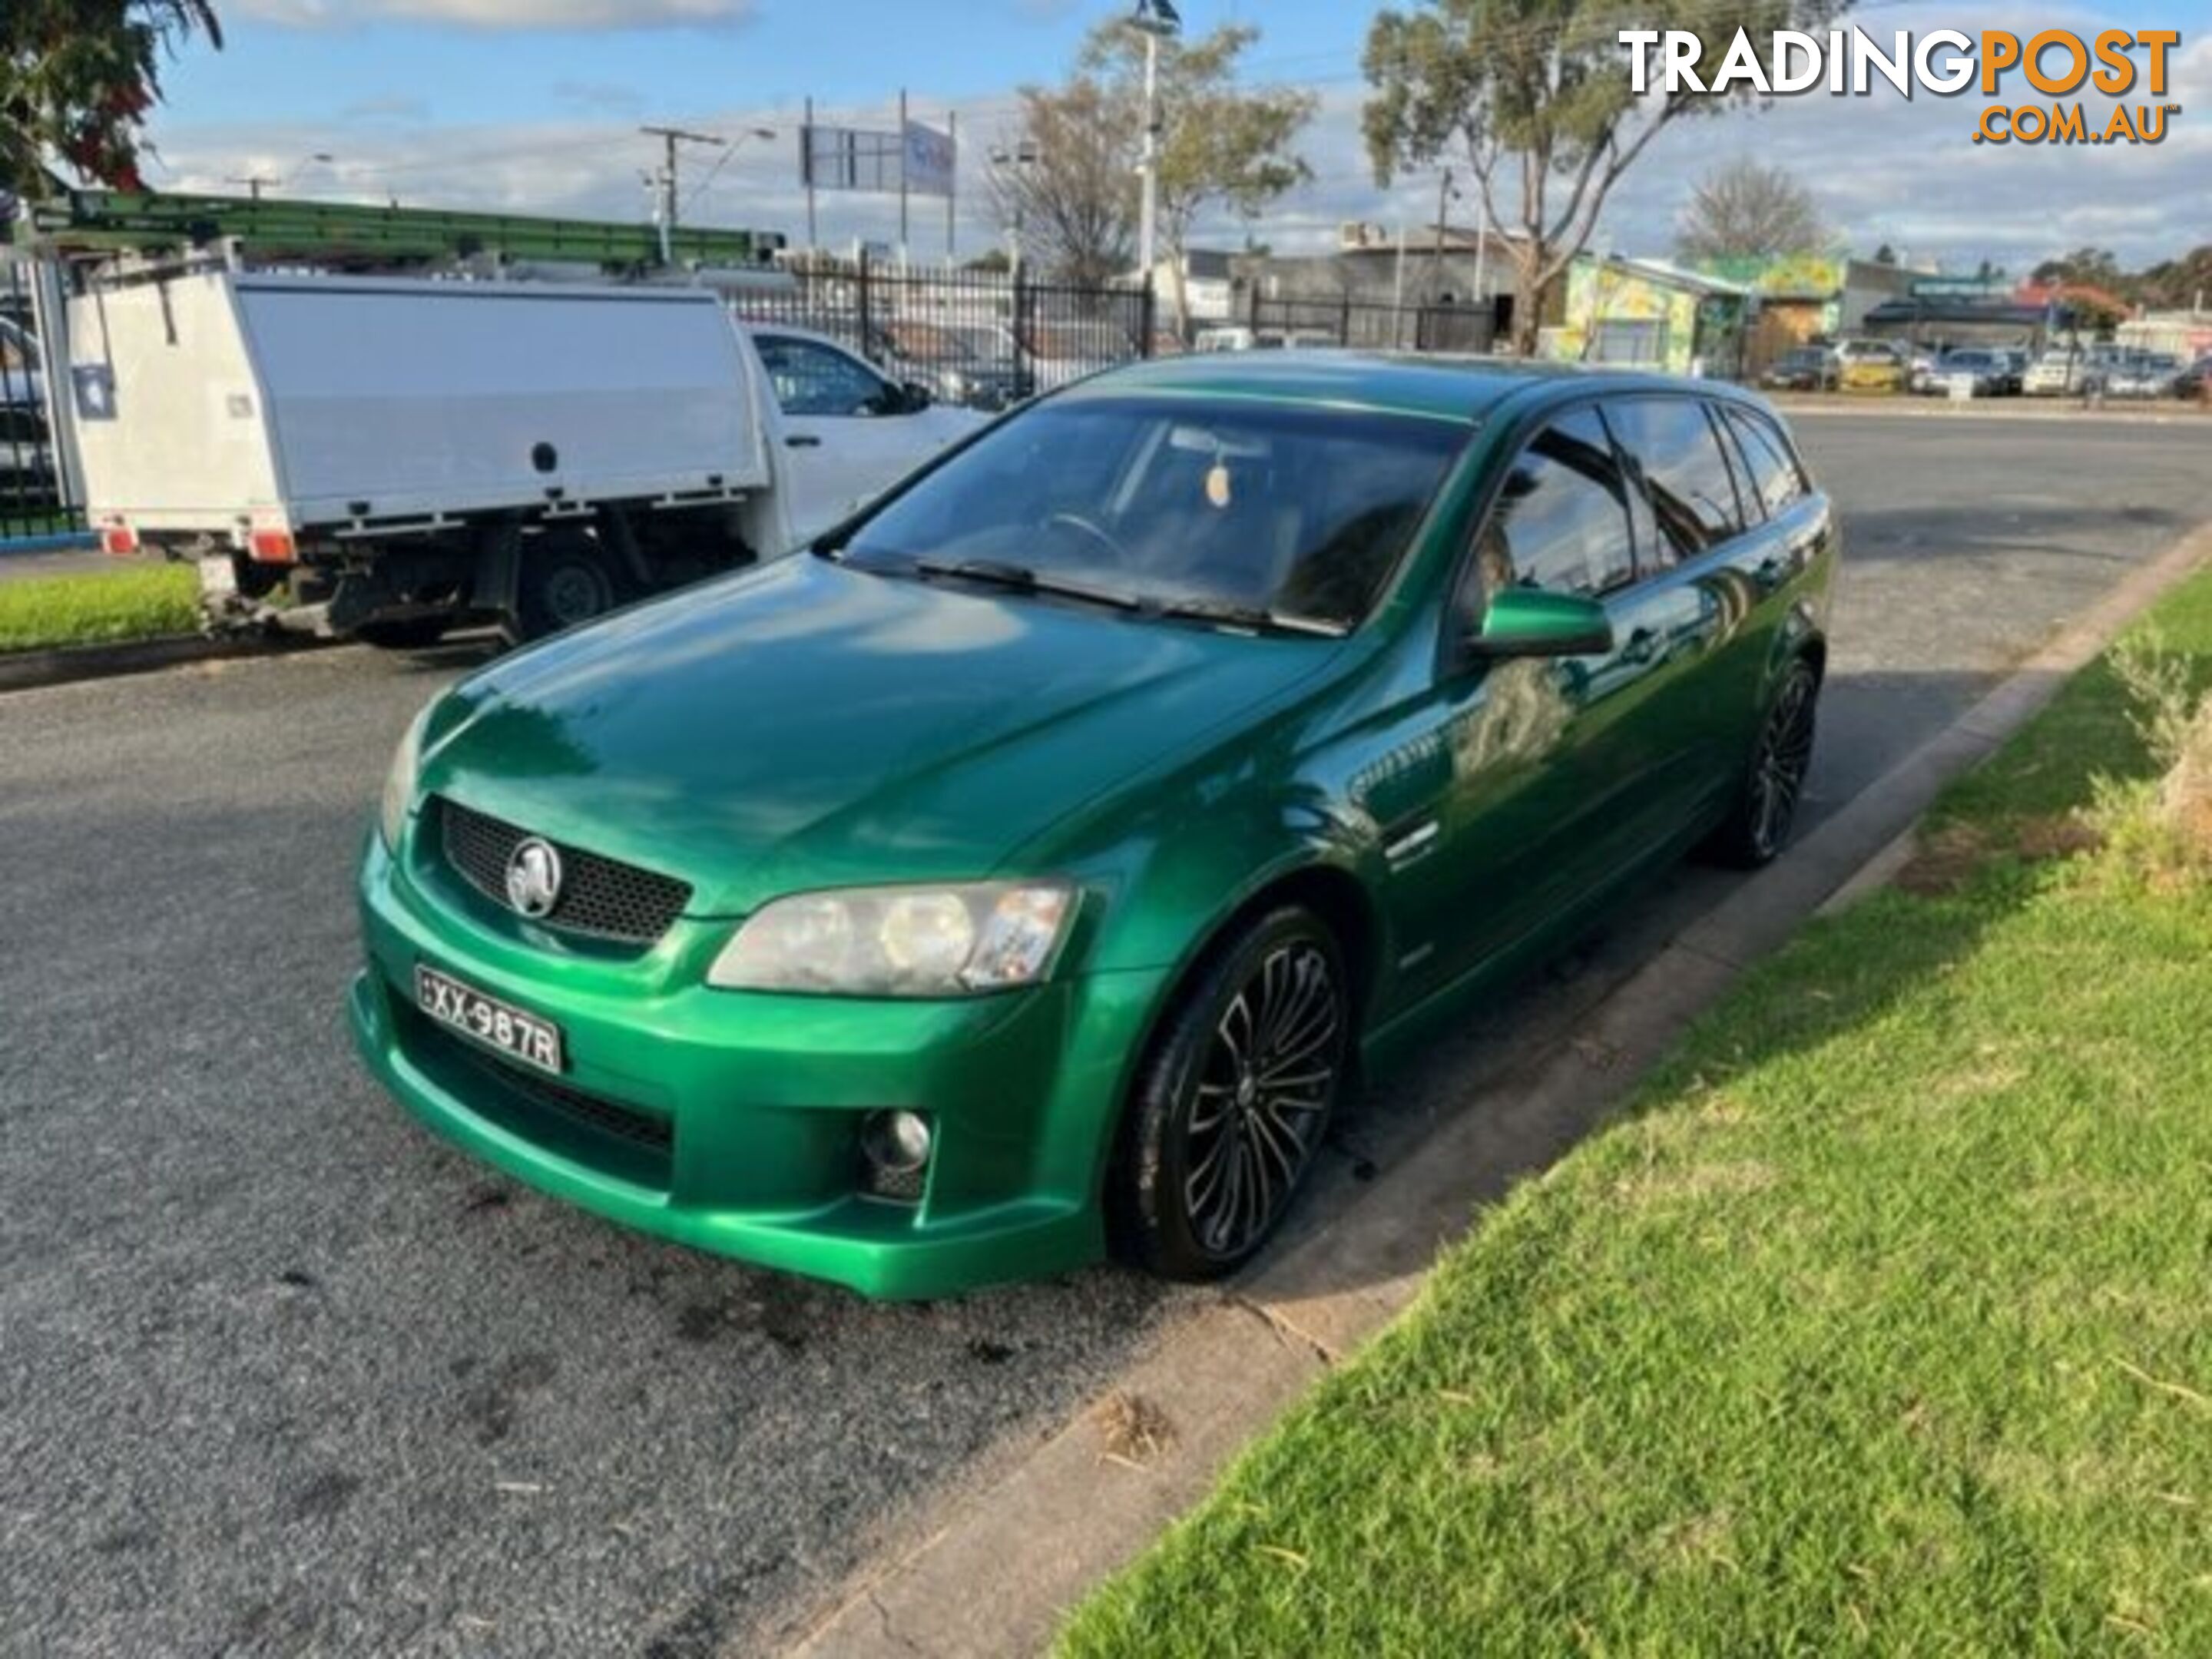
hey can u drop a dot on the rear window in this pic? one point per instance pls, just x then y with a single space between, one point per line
1775 478
1691 490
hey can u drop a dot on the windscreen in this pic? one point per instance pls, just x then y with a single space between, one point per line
1301 511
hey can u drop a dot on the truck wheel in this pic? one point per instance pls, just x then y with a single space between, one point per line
561 586
415 634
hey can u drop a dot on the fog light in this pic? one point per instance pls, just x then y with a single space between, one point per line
895 1148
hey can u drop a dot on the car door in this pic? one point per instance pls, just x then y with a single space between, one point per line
1532 780
1694 611
846 434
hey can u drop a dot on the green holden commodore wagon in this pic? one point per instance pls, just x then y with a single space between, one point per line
1030 867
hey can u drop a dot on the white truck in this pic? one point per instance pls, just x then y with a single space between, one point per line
390 458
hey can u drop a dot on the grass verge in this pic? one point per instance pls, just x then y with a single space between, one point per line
131 602
1878 1324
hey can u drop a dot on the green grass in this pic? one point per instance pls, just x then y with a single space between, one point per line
1882 1323
131 602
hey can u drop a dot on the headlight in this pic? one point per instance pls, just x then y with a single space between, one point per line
399 783
900 941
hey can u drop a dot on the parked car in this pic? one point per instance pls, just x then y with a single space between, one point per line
1804 369
1036 860
2193 380
2055 373
1870 366
1983 373
2143 375
2013 362
965 366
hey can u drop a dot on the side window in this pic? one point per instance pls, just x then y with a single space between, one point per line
1561 521
1684 470
1774 473
811 379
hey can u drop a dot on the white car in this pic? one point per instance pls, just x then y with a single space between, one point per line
850 431
2054 374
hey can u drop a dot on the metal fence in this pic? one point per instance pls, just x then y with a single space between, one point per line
983 339
32 495
1366 324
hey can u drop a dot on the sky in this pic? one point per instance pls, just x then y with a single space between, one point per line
533 106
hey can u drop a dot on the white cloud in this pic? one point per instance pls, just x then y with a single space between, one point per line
504 13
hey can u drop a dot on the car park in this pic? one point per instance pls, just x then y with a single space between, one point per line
1110 792
1803 368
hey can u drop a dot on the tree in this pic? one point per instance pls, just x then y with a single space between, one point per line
1541 89
1885 255
1065 189
1076 199
1220 143
78 78
1746 211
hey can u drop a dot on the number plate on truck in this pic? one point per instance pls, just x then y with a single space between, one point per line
500 1025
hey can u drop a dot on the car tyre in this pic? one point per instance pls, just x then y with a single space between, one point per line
563 583
1235 1100
1757 826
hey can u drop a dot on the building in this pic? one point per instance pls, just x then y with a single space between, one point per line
1648 314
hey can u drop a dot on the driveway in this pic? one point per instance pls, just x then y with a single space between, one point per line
278 1373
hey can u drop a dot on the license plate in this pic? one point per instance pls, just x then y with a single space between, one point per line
500 1025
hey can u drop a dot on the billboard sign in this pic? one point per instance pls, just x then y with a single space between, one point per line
932 158
922 162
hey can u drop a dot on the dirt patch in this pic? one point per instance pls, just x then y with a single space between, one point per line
1132 1429
1943 861
2063 836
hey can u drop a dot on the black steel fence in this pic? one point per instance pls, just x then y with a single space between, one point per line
1366 323
30 476
989 338
981 339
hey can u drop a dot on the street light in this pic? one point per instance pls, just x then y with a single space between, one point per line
1157 21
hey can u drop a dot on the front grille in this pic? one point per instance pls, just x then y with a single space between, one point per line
598 896
639 1129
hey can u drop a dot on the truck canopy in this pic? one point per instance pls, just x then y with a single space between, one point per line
221 402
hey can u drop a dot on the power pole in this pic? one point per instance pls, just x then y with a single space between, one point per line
254 185
670 137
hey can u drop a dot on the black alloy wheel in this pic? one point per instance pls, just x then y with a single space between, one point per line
1774 788
1233 1107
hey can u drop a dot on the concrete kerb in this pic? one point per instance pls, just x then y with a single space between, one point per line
1001 1568
26 671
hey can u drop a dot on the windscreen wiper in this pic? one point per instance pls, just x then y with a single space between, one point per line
1020 578
1229 614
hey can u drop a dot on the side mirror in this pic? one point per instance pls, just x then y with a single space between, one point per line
1527 622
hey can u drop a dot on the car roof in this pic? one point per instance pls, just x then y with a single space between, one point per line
1431 384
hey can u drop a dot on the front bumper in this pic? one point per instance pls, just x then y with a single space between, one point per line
731 1121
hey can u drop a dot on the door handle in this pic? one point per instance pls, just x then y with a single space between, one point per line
802 442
